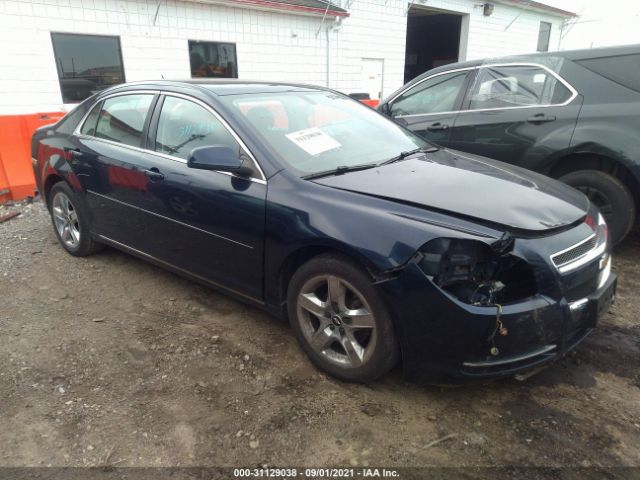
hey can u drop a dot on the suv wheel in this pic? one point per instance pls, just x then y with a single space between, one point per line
340 321
610 195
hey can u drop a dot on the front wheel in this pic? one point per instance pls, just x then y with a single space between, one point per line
610 195
340 322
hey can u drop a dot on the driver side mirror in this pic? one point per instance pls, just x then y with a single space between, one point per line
218 157
385 109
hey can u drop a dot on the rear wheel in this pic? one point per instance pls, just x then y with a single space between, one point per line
610 195
340 322
70 223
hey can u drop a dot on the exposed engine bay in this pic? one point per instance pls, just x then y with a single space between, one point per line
477 273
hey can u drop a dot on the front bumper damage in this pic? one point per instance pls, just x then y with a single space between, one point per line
444 339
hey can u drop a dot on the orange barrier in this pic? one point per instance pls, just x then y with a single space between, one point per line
16 172
371 103
4 183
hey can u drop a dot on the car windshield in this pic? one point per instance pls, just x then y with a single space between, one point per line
317 131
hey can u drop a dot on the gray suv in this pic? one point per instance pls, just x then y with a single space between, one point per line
573 115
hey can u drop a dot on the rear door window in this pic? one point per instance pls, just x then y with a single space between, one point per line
516 86
122 118
89 125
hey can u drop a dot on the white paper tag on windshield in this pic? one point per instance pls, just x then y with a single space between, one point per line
313 140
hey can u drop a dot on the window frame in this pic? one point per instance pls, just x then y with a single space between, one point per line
101 99
235 55
470 81
147 143
548 39
152 140
459 102
145 125
85 119
467 99
74 34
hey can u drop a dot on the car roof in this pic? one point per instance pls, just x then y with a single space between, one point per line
532 57
219 86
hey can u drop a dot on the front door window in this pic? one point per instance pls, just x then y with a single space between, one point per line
435 95
185 125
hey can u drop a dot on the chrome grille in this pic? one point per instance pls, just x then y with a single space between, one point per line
575 252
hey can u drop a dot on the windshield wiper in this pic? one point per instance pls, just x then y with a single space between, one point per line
339 170
346 169
403 155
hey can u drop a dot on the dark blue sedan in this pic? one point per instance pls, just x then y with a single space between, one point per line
377 246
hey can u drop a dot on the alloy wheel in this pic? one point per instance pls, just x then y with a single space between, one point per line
65 219
336 321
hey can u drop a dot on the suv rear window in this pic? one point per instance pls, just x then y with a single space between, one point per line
622 69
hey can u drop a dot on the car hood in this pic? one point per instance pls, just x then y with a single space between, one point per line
471 186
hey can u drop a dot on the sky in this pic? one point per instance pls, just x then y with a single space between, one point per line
602 23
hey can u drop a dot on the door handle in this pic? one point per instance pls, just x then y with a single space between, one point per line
154 175
541 118
435 127
74 152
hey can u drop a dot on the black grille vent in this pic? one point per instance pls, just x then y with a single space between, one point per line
564 258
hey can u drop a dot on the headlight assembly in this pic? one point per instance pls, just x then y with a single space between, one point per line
477 273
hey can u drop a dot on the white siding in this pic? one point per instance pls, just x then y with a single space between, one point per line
270 45
375 29
508 31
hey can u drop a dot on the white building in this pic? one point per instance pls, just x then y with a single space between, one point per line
356 46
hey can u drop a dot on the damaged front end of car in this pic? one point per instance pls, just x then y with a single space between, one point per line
477 273
482 308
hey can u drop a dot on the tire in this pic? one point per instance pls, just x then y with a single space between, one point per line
356 348
610 195
70 222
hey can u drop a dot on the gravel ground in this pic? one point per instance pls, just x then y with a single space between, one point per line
108 360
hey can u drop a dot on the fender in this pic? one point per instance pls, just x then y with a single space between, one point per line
613 138
52 160
344 225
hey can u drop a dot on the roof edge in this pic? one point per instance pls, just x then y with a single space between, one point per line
532 5
281 6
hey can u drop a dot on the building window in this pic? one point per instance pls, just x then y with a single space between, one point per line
86 64
213 59
543 36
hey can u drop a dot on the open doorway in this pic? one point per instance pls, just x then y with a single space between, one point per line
433 39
